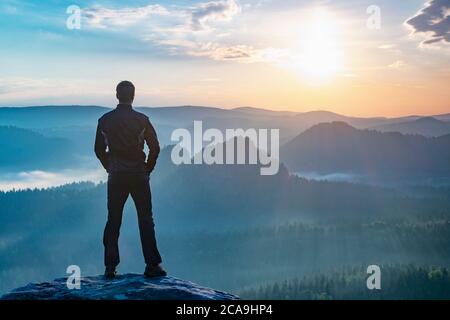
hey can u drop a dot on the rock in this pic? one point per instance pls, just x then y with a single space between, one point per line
124 287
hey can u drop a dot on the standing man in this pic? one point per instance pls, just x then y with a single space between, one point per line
119 145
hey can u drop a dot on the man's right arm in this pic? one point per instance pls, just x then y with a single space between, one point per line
153 144
100 147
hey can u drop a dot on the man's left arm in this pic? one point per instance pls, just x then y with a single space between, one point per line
100 148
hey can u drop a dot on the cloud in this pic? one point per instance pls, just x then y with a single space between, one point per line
102 17
193 19
206 12
9 9
399 64
14 89
185 31
20 84
219 52
386 46
433 21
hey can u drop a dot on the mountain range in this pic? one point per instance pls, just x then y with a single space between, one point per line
426 126
311 142
338 147
55 120
27 149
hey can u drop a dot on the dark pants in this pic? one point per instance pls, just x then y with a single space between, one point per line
120 185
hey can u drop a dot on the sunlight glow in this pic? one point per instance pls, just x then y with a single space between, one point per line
317 56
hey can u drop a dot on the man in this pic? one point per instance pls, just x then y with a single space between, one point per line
119 145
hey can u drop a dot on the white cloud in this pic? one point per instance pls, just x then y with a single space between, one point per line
102 17
193 19
433 22
189 31
386 46
203 13
220 52
20 84
14 89
399 64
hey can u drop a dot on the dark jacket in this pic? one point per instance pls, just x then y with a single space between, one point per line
119 142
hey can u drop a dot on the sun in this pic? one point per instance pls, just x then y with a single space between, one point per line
317 57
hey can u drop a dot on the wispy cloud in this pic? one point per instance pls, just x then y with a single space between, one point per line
187 31
195 18
433 21
8 9
13 88
399 64
386 46
102 17
21 84
220 52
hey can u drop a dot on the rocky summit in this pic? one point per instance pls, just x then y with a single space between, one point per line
123 287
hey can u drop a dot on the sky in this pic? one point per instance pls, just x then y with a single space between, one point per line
360 58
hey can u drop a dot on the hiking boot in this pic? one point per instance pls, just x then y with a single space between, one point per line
110 272
154 271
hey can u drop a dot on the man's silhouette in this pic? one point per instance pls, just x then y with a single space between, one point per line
119 145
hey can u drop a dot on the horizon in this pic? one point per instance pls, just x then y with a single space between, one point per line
281 110
349 57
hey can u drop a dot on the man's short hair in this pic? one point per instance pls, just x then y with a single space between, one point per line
125 91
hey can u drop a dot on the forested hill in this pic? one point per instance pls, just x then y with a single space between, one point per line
398 282
339 147
23 148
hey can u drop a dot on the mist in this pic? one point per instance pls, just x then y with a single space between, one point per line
41 179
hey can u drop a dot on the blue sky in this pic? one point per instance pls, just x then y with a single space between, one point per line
298 55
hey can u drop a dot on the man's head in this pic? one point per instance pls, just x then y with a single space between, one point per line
125 92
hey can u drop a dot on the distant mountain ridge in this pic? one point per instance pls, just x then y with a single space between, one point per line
426 126
77 124
52 116
339 147
25 148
